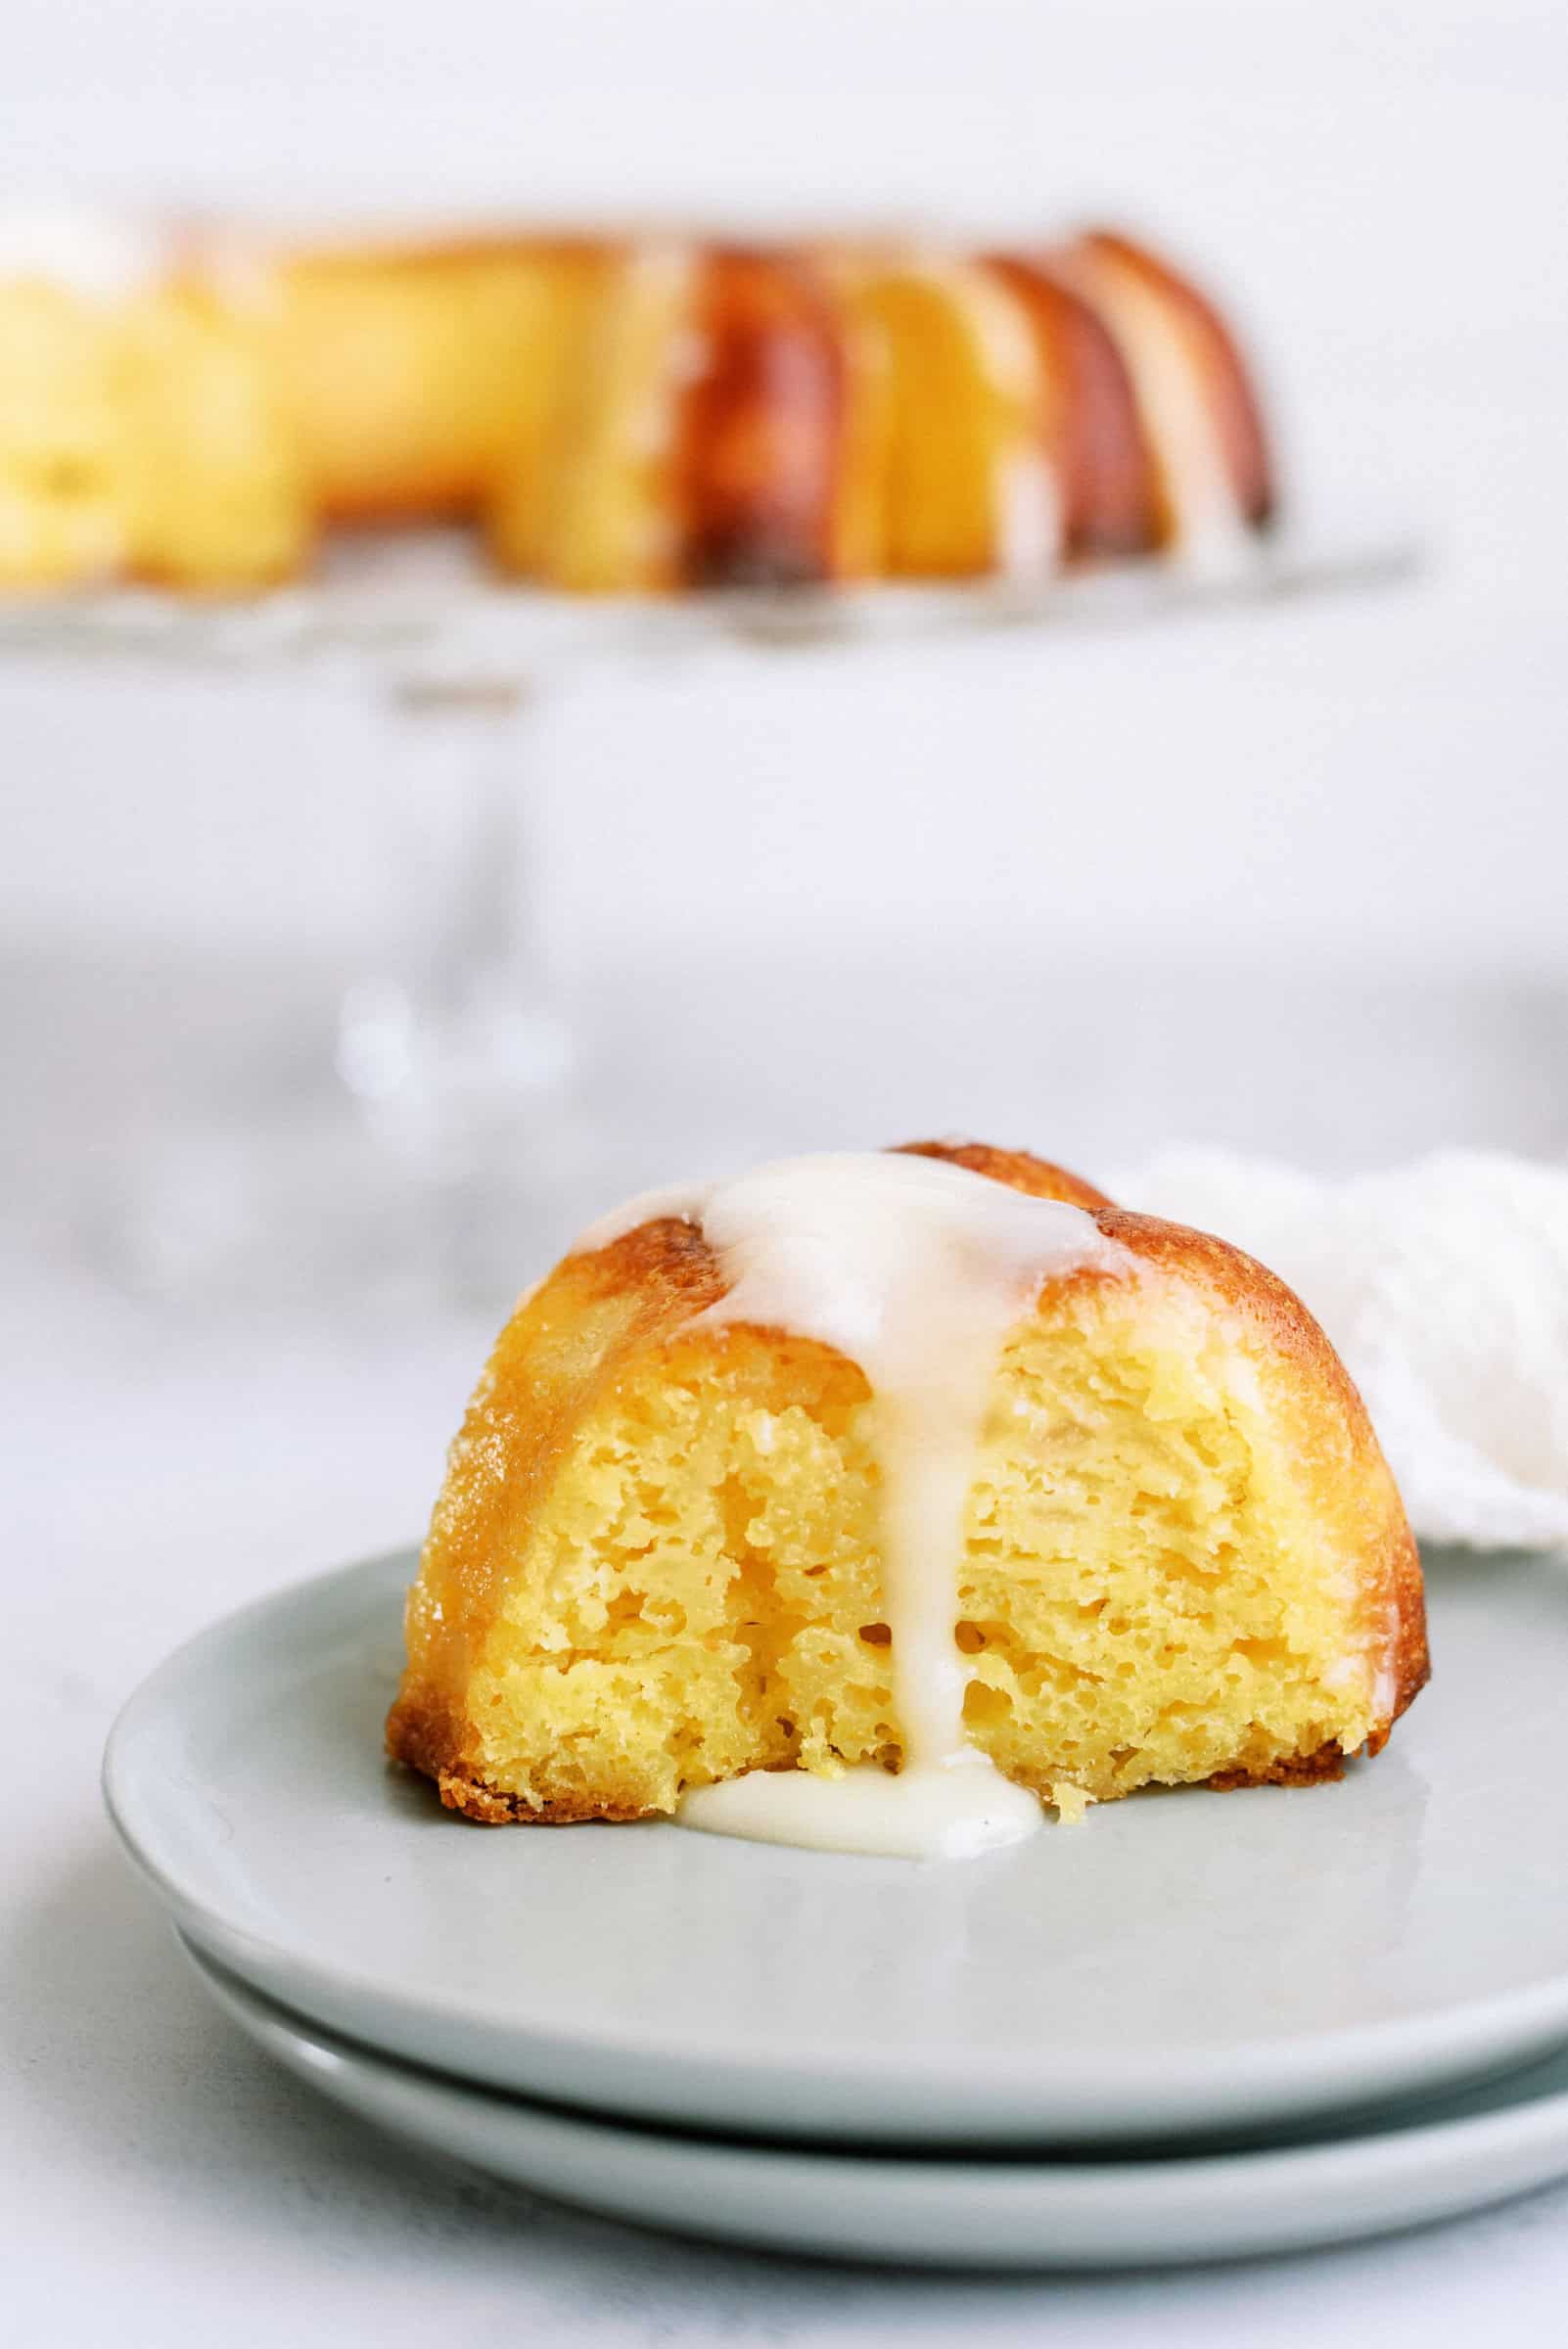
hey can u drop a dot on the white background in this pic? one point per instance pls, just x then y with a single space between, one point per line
1292 879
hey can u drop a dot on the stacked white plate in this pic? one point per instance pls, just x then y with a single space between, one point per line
1194 2025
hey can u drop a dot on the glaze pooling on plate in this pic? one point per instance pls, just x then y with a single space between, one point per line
948 1810
915 1270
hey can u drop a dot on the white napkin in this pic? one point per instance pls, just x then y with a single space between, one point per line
1445 1286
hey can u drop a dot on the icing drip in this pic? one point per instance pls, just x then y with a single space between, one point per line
916 1270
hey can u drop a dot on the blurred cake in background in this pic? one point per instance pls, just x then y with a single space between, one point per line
1088 421
145 429
633 415
968 487
218 495
1192 386
718 424
417 376
64 283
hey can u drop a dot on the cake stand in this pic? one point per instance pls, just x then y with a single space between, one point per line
435 1130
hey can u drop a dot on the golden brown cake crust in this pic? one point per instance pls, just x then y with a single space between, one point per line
761 432
1237 414
651 1278
1320 1768
1109 481
644 1286
1020 1170
487 1806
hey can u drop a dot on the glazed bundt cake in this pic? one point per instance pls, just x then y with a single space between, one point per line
616 415
906 1482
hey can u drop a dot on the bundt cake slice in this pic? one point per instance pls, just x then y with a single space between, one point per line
970 482
720 433
925 1476
1088 420
1195 393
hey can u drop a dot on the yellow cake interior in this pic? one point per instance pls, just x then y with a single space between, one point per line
961 403
691 1587
591 510
216 490
62 437
417 378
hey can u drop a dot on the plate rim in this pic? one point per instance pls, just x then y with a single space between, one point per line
1251 2181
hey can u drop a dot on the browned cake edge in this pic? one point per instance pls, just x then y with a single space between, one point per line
1232 383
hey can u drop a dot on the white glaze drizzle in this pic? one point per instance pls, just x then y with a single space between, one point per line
1025 490
915 1270
1029 509
955 1811
664 279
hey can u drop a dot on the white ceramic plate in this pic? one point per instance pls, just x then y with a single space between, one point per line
982 2211
1177 1963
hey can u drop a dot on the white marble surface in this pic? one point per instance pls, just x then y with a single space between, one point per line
162 2184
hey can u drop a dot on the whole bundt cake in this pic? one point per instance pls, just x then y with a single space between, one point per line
622 415
903 1483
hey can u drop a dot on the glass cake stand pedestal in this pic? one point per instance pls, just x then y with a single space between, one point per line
428 1129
